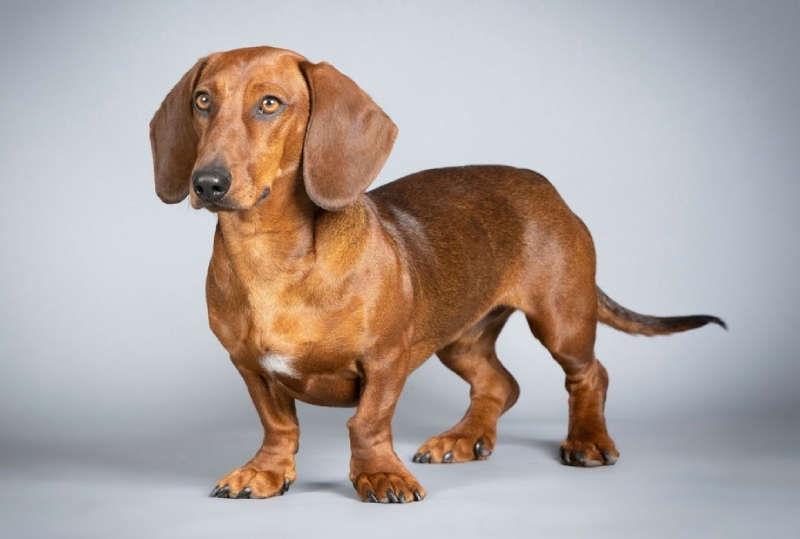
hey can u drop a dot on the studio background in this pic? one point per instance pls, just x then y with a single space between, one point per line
671 128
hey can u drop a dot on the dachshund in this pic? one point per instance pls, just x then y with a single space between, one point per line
324 293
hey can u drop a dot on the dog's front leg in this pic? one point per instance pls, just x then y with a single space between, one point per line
377 473
271 471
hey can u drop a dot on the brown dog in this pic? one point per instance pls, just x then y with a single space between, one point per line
326 294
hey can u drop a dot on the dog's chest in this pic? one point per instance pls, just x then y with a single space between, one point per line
300 341
311 352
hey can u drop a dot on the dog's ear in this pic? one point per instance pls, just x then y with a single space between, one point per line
348 138
173 139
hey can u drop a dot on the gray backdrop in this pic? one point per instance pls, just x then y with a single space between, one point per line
671 128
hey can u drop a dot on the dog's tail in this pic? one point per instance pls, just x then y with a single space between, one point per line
618 317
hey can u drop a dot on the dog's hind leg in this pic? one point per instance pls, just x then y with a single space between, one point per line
492 391
567 328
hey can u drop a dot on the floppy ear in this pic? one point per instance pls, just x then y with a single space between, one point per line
348 138
173 139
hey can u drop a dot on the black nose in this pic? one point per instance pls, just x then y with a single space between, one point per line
211 184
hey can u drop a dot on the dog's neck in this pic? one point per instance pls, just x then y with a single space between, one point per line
286 239
269 239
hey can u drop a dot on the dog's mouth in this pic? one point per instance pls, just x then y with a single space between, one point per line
223 205
226 204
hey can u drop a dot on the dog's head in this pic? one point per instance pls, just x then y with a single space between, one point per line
243 124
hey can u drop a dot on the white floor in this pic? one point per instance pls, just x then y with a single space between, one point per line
699 478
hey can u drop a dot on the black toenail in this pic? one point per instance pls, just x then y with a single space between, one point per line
478 448
481 451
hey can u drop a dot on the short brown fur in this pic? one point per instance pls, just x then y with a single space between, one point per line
332 296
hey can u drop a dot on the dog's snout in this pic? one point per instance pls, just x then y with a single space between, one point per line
211 184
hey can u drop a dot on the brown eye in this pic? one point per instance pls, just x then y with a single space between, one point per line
202 101
270 105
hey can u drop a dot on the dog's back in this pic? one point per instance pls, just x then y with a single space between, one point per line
510 223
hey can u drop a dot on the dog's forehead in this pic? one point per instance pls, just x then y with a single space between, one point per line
244 68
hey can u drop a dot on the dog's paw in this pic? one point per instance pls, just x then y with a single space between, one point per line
450 448
249 482
388 488
589 453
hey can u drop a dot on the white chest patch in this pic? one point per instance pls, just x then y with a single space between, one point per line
279 364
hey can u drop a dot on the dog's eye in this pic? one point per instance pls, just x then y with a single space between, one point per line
202 101
270 105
